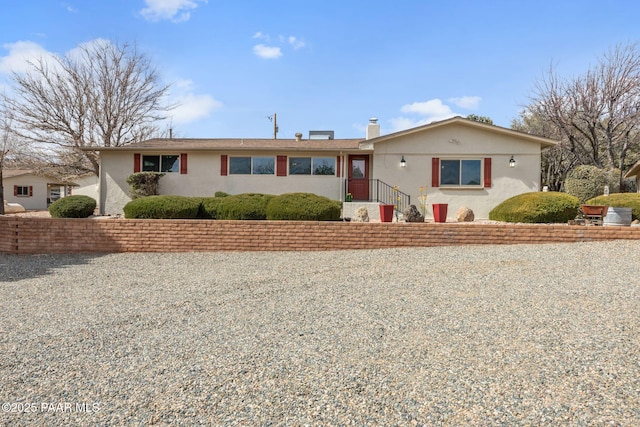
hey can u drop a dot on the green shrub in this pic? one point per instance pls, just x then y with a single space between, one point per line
619 200
585 182
221 194
303 207
143 184
163 207
243 206
539 207
73 207
209 207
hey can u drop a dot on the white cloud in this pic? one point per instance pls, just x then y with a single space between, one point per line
194 107
70 8
173 10
20 54
267 52
466 102
432 110
261 36
296 43
273 52
403 123
191 107
433 107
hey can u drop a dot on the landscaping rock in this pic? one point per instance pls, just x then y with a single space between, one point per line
411 214
361 215
465 214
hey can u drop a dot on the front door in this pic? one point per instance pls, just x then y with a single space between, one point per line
53 193
359 176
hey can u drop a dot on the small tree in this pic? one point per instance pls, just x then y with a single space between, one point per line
100 95
144 184
586 182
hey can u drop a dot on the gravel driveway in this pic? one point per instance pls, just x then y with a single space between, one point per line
484 335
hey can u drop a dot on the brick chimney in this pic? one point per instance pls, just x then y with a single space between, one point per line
373 128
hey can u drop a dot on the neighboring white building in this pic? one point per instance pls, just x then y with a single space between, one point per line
460 162
85 185
634 172
31 190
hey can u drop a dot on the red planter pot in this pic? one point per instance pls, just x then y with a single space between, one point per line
386 213
440 212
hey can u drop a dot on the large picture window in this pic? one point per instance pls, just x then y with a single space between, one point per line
461 173
164 163
324 166
263 166
312 166
251 165
299 165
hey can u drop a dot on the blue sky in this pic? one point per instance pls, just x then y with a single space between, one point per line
330 65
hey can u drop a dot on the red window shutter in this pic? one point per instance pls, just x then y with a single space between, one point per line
487 172
435 172
183 163
30 191
223 165
136 163
15 190
338 168
282 166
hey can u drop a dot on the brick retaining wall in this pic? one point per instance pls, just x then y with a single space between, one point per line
23 235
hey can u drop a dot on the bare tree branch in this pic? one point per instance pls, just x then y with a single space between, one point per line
103 95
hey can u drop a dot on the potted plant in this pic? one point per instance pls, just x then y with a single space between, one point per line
348 197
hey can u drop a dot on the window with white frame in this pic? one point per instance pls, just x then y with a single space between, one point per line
251 165
461 172
22 191
161 163
312 166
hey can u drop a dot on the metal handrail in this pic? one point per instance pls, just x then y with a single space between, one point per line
381 192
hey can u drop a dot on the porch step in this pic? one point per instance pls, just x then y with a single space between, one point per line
349 210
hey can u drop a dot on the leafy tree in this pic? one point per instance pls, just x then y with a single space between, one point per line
481 119
101 95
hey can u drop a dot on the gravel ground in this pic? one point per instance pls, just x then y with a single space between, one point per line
484 335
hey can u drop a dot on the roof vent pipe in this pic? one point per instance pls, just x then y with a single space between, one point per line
298 136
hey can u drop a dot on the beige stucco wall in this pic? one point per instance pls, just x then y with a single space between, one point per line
203 178
39 199
459 142
87 185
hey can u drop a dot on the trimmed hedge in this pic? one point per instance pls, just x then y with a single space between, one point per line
163 207
73 207
248 206
303 207
243 206
619 200
538 207
209 207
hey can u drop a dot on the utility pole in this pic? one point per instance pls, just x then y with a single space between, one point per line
274 119
275 126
